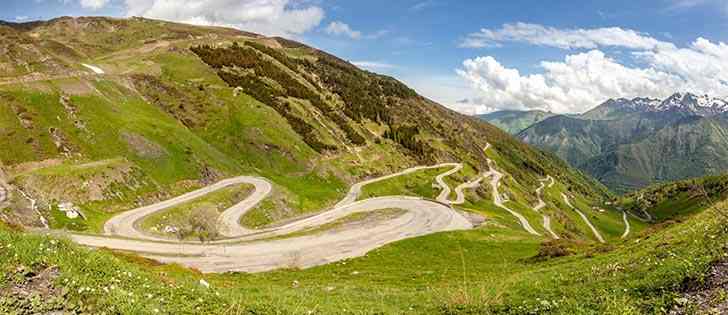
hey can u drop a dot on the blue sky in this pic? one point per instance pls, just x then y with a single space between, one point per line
476 56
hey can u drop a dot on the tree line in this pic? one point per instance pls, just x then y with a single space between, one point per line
226 60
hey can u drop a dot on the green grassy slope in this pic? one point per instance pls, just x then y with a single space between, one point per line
676 200
450 273
416 184
169 110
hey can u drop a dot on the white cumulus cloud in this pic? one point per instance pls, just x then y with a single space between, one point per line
341 28
93 4
579 82
562 38
584 79
269 17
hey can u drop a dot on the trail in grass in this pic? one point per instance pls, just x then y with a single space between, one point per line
34 77
95 69
584 217
626 224
645 212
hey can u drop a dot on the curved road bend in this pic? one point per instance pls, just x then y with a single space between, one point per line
444 195
126 224
355 190
460 195
626 224
584 217
498 200
541 204
422 217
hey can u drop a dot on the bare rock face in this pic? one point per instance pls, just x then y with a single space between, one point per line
237 91
59 139
72 112
707 296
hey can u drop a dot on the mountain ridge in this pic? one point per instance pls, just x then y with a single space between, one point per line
624 143
683 103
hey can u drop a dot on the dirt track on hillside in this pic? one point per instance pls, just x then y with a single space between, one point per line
262 250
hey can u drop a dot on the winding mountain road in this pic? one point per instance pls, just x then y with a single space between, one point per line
444 195
496 176
422 217
459 190
249 250
475 183
259 250
541 204
584 217
626 224
355 190
125 224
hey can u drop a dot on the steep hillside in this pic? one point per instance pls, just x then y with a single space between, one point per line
689 147
578 140
171 107
514 122
678 200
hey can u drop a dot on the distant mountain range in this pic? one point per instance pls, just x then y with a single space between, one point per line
679 103
631 143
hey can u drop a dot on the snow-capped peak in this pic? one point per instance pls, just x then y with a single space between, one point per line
646 102
687 103
702 105
638 103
